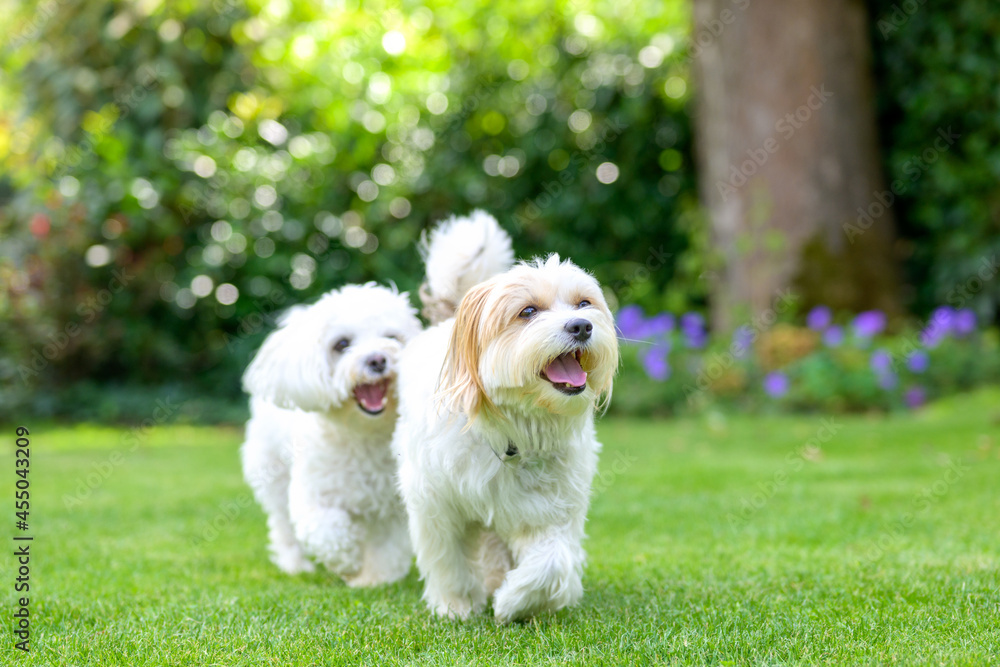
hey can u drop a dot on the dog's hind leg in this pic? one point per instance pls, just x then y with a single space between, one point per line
387 554
493 559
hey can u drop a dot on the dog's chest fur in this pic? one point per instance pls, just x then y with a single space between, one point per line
358 470
534 482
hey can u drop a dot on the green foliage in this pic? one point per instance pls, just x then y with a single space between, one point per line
936 67
99 88
711 541
283 150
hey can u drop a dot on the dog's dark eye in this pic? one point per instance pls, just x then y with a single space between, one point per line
528 313
583 304
395 337
342 345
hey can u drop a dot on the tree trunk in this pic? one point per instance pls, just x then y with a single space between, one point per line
789 164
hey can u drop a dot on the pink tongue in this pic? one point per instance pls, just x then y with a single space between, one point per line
371 396
566 369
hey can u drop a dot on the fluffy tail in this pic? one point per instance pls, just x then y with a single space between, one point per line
460 253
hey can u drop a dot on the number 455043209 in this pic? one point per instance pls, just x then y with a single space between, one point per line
22 494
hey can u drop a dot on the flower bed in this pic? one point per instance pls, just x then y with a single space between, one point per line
828 363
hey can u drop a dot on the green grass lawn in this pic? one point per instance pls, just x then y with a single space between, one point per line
716 540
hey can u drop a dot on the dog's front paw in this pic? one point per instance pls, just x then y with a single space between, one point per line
292 561
369 576
364 579
456 608
509 606
528 591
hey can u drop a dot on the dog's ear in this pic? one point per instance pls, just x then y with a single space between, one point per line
461 386
291 369
610 362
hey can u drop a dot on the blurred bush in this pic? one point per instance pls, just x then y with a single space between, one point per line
174 174
226 160
939 122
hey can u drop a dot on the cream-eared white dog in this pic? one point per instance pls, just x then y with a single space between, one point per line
496 423
317 451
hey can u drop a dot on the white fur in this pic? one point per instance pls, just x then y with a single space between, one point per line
486 520
319 465
459 253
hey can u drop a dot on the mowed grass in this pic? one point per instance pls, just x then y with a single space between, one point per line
713 540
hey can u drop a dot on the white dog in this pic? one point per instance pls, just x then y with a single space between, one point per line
317 449
496 427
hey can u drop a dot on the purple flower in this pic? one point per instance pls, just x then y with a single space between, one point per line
819 318
654 360
881 361
869 323
888 380
964 322
742 340
918 361
776 384
692 322
944 317
693 328
696 339
660 325
931 336
915 397
939 325
632 323
833 336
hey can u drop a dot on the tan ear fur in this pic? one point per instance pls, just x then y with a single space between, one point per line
604 392
461 385
614 361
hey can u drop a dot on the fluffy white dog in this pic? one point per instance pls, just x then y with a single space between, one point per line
496 426
317 451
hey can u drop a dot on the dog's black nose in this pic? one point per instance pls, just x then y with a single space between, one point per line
579 329
376 363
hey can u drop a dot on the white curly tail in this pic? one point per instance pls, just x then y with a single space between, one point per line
460 253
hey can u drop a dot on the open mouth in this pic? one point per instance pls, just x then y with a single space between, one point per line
372 397
566 374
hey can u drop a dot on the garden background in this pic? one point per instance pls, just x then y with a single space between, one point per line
794 209
175 174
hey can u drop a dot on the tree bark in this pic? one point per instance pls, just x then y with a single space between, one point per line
788 159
